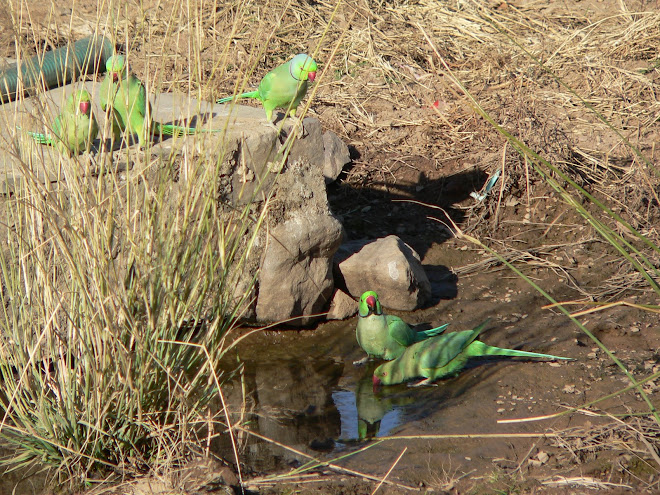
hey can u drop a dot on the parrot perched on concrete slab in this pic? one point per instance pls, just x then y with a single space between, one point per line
74 128
284 86
385 336
442 356
125 98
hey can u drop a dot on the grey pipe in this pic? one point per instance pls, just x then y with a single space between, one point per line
56 67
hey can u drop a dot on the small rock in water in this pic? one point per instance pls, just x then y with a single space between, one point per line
342 306
390 267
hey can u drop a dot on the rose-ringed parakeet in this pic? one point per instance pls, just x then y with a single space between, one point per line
442 356
74 128
385 336
284 86
124 98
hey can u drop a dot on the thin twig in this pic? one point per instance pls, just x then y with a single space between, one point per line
389 470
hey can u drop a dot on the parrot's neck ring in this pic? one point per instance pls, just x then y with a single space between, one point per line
292 74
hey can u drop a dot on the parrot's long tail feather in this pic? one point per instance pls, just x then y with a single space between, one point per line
38 137
177 130
249 94
425 334
478 348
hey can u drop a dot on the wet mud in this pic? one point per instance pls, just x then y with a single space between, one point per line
304 392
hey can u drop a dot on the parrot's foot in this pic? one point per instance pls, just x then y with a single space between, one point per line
361 362
422 383
298 123
280 135
271 125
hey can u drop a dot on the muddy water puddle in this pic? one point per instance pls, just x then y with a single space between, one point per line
304 391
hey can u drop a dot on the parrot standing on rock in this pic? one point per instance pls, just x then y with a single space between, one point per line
385 336
442 356
74 128
284 86
125 98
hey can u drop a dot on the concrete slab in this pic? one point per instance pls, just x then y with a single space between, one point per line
244 135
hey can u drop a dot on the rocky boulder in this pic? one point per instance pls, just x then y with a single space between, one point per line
388 266
255 170
295 276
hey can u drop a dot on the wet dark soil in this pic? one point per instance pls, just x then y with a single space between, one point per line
308 395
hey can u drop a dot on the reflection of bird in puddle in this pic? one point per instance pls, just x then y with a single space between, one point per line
372 408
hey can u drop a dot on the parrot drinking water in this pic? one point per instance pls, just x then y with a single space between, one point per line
284 86
385 336
442 356
74 128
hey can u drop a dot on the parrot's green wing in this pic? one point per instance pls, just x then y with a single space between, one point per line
135 109
400 331
433 332
432 358
439 352
266 85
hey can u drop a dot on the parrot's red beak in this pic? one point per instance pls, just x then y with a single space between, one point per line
376 382
115 76
84 107
371 302
311 76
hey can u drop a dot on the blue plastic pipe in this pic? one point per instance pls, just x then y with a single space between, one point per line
56 67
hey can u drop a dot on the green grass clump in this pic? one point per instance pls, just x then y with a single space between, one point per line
112 287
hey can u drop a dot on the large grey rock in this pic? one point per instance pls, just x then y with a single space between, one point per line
388 266
296 270
291 257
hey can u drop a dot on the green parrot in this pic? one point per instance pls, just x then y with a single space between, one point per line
74 128
385 336
284 86
124 97
442 356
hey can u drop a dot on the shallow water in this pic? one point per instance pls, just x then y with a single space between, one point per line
306 393
302 390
